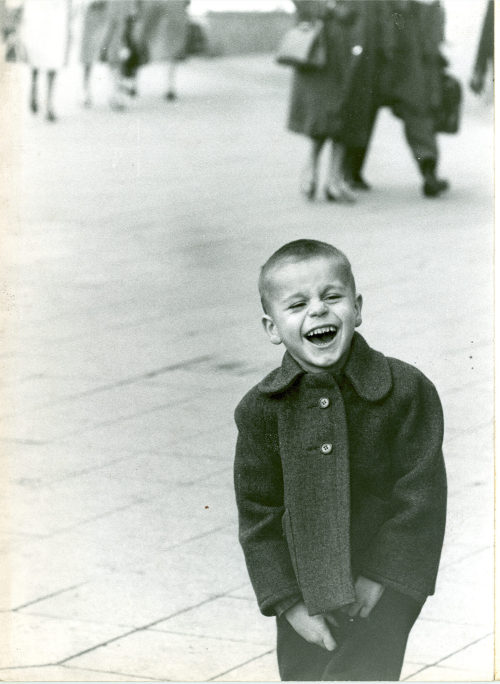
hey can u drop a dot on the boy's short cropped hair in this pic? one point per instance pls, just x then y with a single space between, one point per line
300 250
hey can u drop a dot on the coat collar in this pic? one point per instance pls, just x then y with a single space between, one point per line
367 369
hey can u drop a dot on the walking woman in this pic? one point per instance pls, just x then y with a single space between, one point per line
45 34
119 50
93 33
324 105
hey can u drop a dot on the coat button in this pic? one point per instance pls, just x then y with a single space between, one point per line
326 448
357 50
324 402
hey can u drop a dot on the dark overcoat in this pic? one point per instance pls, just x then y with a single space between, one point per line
336 477
413 38
337 101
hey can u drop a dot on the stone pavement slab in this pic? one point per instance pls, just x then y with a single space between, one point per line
261 669
33 640
62 674
172 657
224 618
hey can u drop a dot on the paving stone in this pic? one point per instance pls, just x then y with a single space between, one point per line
224 618
262 669
214 562
170 656
478 659
455 602
432 640
33 465
61 674
33 640
123 600
67 503
444 674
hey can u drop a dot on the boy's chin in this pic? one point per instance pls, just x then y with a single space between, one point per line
327 363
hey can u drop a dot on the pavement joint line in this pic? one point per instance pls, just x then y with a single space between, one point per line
206 636
126 381
143 628
113 672
47 596
251 660
86 521
195 538
436 664
107 423
77 473
23 667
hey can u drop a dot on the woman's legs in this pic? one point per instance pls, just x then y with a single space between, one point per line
309 180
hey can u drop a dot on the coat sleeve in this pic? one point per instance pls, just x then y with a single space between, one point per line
259 496
405 553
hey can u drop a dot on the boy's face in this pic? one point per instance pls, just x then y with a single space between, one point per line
313 311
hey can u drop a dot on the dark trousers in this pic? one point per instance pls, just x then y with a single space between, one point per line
369 648
419 133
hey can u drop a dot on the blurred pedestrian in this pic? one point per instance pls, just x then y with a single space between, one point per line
10 21
120 50
324 105
93 34
485 52
45 34
163 30
408 78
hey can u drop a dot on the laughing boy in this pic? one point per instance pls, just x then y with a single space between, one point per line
339 477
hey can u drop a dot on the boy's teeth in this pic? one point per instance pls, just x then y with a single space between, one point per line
321 331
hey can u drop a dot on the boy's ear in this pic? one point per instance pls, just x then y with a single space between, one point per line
358 306
271 329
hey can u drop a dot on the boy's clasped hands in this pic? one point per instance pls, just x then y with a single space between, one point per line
314 628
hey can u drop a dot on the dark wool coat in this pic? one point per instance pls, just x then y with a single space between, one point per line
336 102
412 78
336 477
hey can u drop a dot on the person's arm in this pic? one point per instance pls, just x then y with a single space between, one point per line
405 552
258 483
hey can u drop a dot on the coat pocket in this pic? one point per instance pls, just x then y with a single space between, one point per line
287 531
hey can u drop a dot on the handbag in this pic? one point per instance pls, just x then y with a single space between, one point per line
304 46
447 119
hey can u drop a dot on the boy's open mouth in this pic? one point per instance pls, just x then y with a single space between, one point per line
322 336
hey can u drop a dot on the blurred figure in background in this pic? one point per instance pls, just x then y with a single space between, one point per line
93 34
45 35
163 30
10 21
408 78
120 50
485 51
329 104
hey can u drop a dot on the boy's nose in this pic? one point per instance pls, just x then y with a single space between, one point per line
318 308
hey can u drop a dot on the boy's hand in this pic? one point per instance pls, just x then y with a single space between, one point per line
312 628
368 594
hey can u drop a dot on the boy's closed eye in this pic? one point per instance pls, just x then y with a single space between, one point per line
297 305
